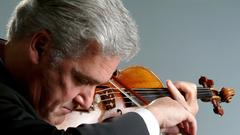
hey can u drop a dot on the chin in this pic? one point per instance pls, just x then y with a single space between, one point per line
57 120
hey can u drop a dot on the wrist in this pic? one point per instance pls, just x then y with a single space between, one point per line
150 120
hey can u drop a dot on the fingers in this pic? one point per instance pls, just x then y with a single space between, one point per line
189 92
177 109
188 126
170 112
192 125
189 89
171 130
175 93
189 103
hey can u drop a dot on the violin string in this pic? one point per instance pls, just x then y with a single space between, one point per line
119 97
124 93
116 97
200 92
149 90
152 97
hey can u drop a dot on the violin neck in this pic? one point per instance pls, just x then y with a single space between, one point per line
151 94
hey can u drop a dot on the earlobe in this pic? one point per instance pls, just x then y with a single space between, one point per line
39 45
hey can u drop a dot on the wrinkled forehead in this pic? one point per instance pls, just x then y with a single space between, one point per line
94 67
98 67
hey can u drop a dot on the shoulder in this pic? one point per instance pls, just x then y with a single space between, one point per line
11 101
7 93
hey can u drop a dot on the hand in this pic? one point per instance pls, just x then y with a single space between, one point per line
189 90
172 111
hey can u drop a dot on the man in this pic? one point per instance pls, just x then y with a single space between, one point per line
58 51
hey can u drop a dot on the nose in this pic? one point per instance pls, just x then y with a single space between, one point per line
84 99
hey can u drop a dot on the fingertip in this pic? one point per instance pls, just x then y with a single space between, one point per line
171 86
193 126
168 82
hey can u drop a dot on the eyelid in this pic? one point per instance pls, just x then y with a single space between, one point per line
83 80
80 78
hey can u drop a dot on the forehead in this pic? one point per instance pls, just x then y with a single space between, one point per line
96 68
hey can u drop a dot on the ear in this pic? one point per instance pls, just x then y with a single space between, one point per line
39 45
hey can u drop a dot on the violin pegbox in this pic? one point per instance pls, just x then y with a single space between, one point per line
225 95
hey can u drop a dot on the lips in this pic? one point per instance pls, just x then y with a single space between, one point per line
66 110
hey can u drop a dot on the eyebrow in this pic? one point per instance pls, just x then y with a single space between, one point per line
84 79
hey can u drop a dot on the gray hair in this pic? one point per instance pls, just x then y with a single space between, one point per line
72 24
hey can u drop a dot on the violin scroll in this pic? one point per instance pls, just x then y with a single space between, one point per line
225 95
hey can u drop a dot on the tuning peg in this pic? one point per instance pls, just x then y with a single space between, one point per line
210 83
203 81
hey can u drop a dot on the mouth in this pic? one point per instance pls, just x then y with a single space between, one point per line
79 108
66 110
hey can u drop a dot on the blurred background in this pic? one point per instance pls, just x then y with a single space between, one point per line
183 40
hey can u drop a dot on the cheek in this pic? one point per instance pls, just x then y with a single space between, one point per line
52 95
55 89
50 99
71 92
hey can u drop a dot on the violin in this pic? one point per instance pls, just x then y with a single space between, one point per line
137 86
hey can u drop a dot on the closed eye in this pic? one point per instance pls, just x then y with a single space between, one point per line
82 79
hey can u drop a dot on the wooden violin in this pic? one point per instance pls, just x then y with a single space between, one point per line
138 86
